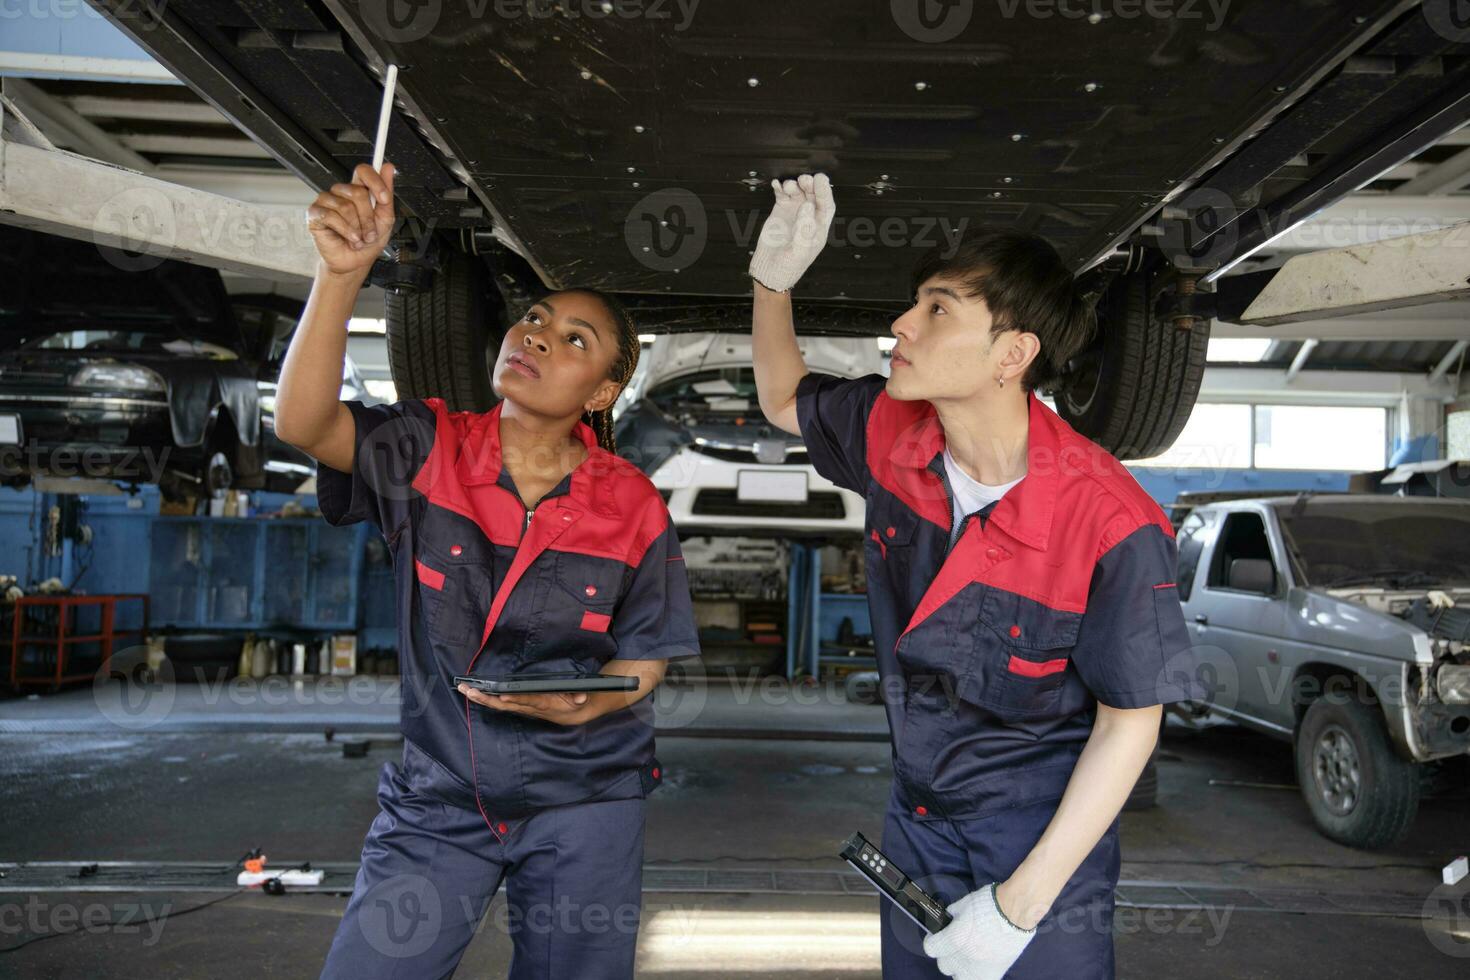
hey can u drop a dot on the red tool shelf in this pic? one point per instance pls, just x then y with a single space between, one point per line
52 648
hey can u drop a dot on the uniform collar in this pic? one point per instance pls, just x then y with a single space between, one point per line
479 461
1025 513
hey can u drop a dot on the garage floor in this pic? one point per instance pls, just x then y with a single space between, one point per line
1298 904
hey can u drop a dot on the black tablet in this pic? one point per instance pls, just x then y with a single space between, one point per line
549 683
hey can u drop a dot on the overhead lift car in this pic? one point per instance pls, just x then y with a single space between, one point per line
629 153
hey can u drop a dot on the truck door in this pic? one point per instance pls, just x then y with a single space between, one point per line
1237 612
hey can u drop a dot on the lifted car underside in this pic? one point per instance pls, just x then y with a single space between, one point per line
630 146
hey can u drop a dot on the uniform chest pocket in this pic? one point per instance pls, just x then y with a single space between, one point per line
454 566
585 590
453 597
889 551
890 526
1022 650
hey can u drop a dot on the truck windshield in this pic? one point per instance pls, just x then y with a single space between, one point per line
1393 544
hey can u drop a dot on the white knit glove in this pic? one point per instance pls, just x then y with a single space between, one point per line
795 232
979 944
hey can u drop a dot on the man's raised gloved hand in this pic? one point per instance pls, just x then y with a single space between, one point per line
795 231
979 943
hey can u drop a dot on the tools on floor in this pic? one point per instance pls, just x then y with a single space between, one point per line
275 881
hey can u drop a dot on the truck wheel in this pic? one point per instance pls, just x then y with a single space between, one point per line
442 342
1359 791
1133 390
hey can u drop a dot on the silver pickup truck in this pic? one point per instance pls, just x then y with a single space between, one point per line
1340 622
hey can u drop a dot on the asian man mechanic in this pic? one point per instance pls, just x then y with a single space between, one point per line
1021 588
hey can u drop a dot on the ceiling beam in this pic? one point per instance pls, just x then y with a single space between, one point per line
1450 359
118 208
1298 362
157 110
65 126
26 65
1245 384
227 146
1441 178
1383 275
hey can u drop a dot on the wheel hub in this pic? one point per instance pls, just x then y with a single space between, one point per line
1336 769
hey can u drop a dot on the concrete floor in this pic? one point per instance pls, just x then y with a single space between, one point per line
210 797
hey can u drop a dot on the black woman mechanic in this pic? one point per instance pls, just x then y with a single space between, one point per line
519 539
1021 588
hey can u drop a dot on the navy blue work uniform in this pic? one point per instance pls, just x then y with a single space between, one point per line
994 652
488 588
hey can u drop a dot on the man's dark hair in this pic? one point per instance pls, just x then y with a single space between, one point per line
1025 285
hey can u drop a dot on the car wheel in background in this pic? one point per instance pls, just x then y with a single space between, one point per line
443 341
1359 790
1133 389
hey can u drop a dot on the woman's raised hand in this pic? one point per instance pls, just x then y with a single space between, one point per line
351 228
795 232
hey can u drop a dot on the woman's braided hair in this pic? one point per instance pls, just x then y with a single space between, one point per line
622 367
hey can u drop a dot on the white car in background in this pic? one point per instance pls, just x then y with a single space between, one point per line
690 419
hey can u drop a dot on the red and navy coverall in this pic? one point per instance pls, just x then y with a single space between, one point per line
486 587
994 653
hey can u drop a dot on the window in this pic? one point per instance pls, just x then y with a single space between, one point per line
1242 541
1216 436
1191 541
1321 437
1297 437
1395 543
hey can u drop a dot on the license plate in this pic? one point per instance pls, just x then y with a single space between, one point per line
771 485
9 430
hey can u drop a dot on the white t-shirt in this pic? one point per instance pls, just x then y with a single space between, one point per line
970 495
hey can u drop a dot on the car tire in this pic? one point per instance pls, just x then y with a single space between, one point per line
1359 790
443 341
1133 389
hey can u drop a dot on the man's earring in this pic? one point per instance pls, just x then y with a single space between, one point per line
1000 381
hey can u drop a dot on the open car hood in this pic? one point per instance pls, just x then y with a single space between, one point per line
53 283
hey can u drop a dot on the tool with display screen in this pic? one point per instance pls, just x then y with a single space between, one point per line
550 683
927 911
